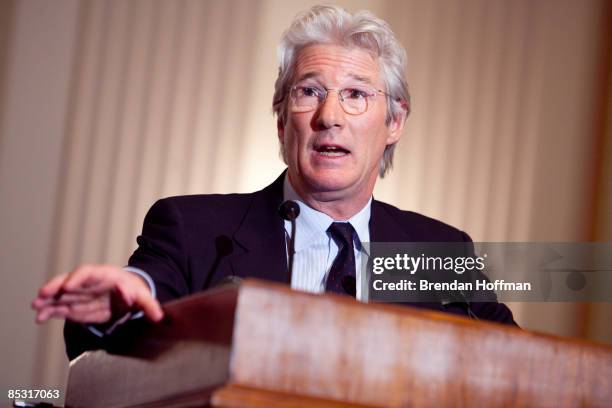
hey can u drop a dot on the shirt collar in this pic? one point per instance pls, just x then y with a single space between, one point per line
312 225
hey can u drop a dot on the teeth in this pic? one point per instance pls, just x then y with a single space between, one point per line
332 154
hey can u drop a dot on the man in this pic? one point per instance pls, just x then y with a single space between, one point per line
341 101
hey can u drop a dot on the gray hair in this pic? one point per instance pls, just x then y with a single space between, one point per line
334 25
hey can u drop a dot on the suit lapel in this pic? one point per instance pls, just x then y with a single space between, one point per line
260 238
384 227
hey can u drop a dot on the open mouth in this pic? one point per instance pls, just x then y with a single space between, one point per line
331 150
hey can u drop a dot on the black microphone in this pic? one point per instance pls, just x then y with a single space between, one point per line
290 210
453 298
459 298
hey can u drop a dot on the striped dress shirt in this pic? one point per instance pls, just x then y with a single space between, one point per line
315 250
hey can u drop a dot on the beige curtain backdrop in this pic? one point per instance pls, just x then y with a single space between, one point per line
108 105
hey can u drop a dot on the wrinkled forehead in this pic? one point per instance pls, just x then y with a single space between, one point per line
336 65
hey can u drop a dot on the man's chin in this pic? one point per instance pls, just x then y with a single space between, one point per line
330 183
327 183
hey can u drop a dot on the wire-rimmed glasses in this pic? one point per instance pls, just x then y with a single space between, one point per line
354 100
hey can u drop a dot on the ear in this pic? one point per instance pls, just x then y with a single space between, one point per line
396 127
280 127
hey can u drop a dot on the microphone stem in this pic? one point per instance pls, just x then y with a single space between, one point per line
291 249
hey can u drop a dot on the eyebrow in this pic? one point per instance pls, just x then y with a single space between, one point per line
315 75
361 78
308 75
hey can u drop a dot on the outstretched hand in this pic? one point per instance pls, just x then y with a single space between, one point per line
95 294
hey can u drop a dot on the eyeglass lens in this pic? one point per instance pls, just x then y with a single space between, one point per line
354 101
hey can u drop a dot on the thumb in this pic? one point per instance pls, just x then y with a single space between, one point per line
150 306
133 293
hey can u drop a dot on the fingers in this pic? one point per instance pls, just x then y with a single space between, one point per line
151 307
97 311
47 313
52 287
86 278
82 295
136 294
94 294
64 299
77 313
80 308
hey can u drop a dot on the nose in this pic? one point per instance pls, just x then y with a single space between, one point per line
330 113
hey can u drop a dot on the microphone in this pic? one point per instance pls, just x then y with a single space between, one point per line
290 210
460 299
454 298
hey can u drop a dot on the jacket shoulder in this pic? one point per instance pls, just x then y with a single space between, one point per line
421 227
213 213
209 205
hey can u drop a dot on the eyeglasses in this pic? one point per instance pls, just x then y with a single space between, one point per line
354 100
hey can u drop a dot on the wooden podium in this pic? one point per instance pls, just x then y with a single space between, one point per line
263 345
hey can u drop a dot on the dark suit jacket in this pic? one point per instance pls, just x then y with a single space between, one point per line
191 243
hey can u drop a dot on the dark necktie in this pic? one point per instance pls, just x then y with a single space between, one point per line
341 277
